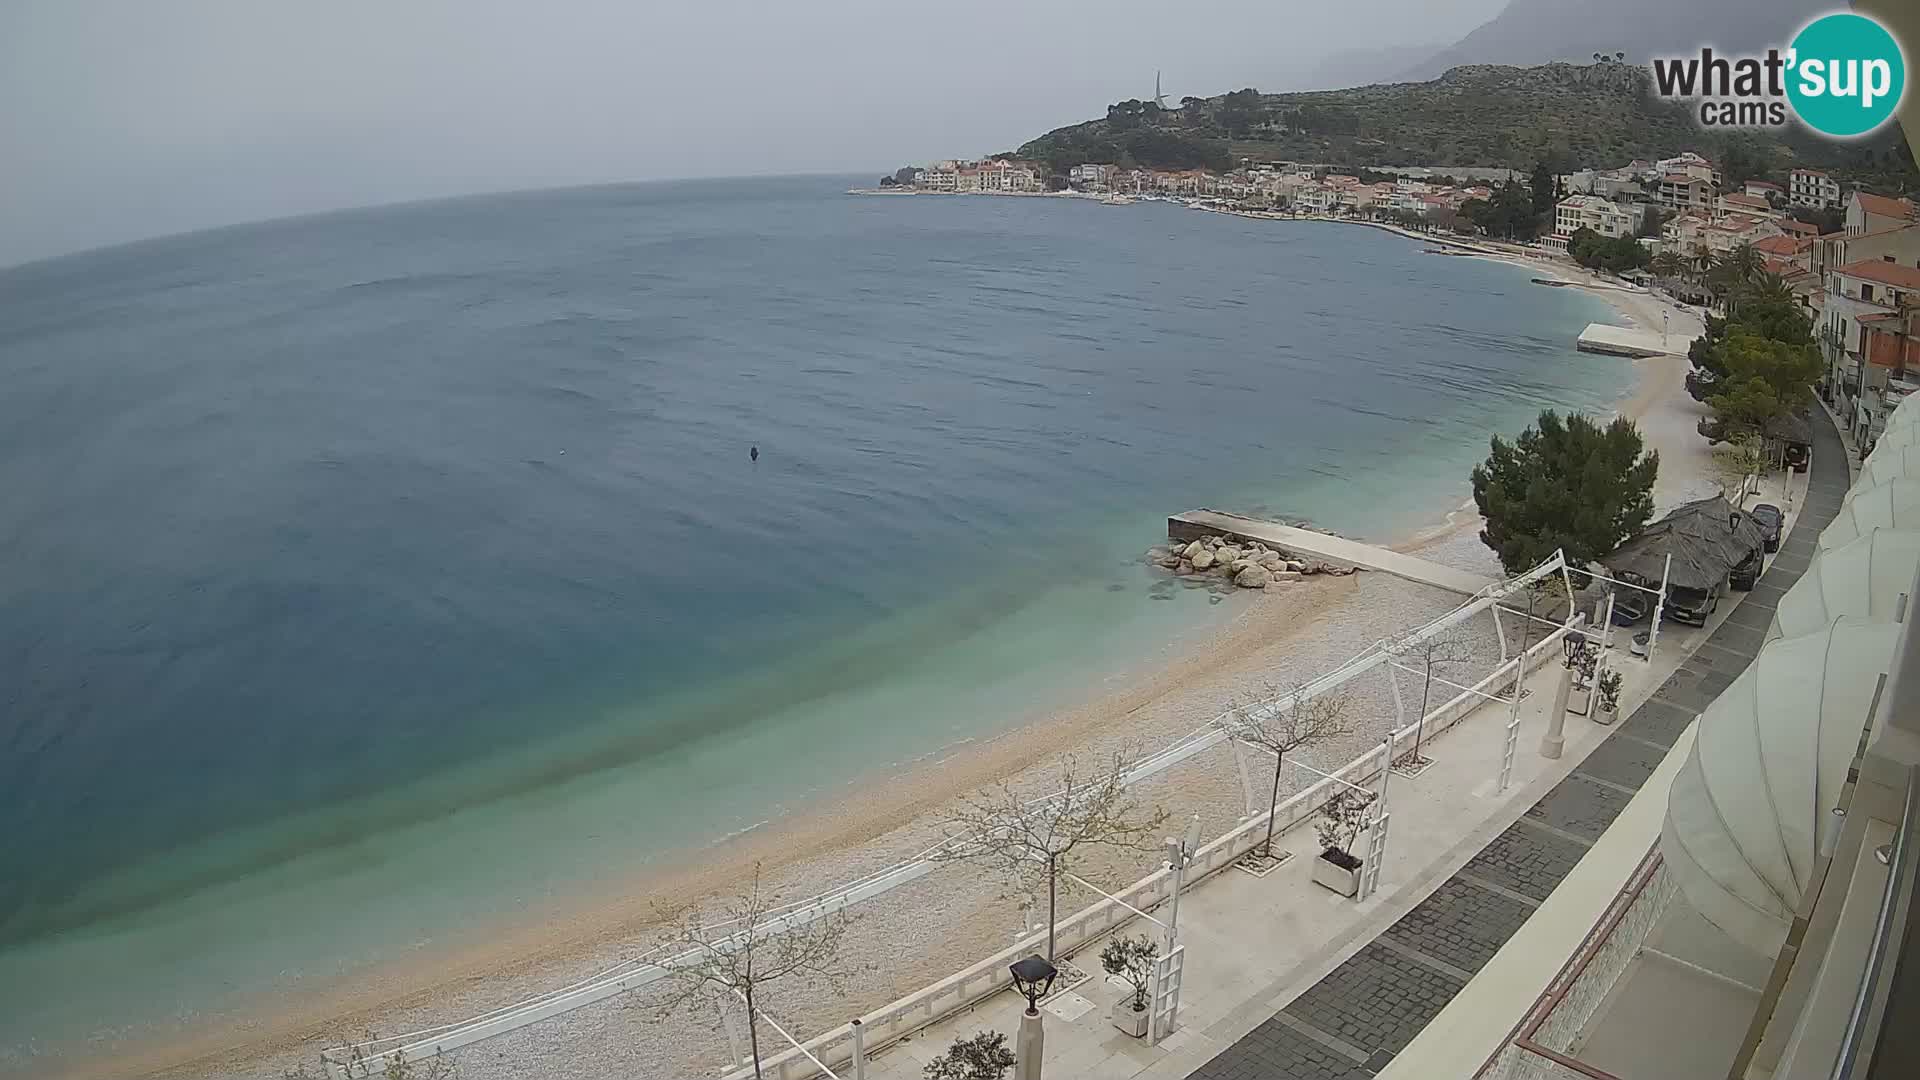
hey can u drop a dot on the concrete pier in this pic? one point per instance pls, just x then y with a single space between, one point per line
1628 341
1331 549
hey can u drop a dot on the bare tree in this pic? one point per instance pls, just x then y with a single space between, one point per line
1018 835
756 940
1280 729
1447 649
1734 462
396 1065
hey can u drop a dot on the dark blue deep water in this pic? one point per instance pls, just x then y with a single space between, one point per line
326 543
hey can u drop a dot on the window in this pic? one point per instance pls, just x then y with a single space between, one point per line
1888 258
1866 292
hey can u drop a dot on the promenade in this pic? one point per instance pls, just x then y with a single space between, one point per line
1287 981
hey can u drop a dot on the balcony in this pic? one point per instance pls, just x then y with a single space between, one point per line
1655 992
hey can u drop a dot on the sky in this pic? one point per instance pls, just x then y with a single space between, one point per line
120 121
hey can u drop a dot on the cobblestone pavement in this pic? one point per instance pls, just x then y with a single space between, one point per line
1351 1023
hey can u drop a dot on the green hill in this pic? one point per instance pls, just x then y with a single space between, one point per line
1571 115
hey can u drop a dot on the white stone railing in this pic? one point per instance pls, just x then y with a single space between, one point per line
936 1002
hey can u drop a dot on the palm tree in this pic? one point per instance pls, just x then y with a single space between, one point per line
1768 287
1741 265
1668 265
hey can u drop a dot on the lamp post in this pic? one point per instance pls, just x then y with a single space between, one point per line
1033 977
1554 742
1180 852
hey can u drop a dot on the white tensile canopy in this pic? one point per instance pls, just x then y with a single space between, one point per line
1892 505
1904 413
1747 810
1865 577
1907 434
1888 463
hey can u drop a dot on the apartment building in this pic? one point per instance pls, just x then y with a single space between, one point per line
1812 187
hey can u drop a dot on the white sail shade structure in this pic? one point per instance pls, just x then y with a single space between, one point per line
1907 434
1748 809
1904 413
1865 577
1892 505
1888 463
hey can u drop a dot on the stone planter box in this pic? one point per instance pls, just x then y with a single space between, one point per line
1129 1019
1336 877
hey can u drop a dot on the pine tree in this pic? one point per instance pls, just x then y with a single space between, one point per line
1567 484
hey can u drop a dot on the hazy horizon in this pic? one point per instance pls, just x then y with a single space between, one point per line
124 121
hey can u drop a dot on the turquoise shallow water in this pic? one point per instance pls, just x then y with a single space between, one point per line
370 575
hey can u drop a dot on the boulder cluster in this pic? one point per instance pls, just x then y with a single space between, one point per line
1248 564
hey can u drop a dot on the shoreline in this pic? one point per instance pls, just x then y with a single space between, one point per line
830 837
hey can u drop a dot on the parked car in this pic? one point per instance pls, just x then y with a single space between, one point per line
1692 606
1770 518
1796 456
1747 574
1630 606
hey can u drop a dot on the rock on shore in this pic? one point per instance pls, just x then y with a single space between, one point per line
1248 564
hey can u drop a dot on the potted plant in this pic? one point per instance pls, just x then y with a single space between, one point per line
1131 959
980 1056
1341 818
1607 707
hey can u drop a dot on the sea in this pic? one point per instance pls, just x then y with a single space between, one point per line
370 577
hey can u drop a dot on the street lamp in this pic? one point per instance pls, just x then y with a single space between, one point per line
1033 977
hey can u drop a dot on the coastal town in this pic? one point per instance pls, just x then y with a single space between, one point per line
1848 256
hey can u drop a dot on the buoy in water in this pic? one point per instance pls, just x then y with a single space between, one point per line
753 453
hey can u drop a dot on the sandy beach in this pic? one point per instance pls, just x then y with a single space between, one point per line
1273 640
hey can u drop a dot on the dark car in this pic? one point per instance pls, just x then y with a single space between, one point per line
1796 456
1747 574
1770 518
1630 606
1692 606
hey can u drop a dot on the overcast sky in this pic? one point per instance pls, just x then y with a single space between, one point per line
122 121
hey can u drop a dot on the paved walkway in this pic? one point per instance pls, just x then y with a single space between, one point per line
1333 549
1352 1022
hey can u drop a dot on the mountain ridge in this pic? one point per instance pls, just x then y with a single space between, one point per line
1531 32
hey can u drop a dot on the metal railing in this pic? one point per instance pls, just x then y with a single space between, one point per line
933 1003
1885 940
1539 1047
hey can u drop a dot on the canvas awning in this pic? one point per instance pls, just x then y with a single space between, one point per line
1889 463
1865 577
1706 538
1747 810
1892 505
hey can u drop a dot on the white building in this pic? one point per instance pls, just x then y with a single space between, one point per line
1870 213
1684 191
1318 199
1689 164
1090 175
1743 203
1603 216
1812 187
1003 176
942 176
